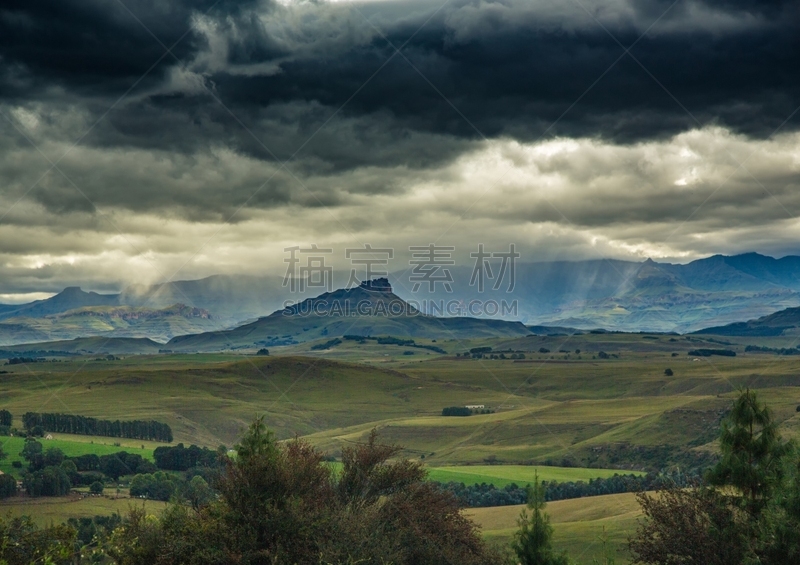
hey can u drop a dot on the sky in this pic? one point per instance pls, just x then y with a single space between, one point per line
151 140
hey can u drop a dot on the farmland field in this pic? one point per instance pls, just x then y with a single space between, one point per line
569 416
580 525
73 445
47 510
502 475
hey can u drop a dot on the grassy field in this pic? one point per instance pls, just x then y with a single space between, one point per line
560 406
580 525
502 475
54 510
73 445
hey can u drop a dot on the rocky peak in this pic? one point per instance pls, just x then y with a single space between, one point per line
377 285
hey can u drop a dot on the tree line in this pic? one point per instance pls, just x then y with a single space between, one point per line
776 350
391 340
485 495
84 425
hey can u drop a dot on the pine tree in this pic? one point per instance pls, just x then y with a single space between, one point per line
533 541
752 451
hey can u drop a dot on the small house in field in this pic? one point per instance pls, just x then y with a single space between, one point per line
48 436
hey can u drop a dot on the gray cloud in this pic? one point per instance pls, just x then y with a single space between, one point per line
452 140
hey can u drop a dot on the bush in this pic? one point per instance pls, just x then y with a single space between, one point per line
8 486
668 372
156 486
89 477
710 352
280 503
24 543
96 487
689 526
16 464
456 411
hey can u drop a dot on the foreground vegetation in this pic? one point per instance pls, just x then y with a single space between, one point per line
280 503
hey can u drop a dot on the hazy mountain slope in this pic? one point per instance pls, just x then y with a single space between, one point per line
785 322
233 298
19 333
91 345
716 274
68 299
784 271
631 296
118 321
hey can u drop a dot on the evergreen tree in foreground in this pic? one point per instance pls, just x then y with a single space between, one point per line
752 451
533 541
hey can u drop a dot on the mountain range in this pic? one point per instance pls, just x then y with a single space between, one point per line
646 296
610 294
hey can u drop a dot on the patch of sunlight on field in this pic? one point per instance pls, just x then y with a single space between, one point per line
73 445
502 475
580 525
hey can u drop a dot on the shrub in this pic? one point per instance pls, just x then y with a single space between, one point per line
456 411
668 372
8 486
23 543
96 487
710 352
280 503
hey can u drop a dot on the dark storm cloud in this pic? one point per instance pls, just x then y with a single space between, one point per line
97 47
511 68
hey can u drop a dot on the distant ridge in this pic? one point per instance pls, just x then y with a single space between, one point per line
785 322
70 298
90 345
